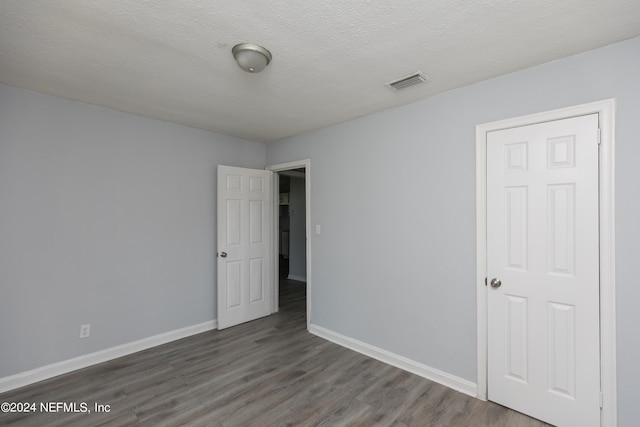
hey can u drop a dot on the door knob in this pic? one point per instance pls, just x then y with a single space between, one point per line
224 255
495 283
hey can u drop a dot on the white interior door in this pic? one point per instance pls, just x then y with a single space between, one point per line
244 256
542 245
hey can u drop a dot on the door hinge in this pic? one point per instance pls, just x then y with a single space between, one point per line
601 400
599 136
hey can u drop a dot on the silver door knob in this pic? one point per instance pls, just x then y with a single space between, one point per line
495 283
223 254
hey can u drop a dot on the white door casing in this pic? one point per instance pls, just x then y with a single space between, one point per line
542 243
244 257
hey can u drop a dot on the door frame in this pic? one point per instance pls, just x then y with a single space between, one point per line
296 164
606 112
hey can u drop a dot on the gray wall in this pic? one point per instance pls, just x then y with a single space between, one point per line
395 195
297 239
105 218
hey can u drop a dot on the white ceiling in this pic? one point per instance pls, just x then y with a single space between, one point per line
172 60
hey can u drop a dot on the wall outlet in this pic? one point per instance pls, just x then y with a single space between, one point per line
85 330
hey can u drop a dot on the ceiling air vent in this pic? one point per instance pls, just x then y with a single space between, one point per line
416 78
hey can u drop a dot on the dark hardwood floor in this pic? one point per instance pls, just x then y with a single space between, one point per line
269 372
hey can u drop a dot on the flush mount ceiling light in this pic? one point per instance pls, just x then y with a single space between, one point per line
252 58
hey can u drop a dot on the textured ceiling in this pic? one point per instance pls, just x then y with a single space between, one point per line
172 60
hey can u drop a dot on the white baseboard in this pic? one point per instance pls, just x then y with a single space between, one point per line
298 278
45 372
448 380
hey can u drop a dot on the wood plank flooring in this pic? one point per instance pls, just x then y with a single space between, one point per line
269 372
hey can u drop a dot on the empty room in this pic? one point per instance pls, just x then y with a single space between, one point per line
205 213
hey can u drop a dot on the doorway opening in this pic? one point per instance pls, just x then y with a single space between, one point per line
291 230
292 266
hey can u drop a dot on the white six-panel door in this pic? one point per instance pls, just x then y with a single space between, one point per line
542 245
244 257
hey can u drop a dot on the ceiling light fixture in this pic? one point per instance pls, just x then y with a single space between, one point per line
252 58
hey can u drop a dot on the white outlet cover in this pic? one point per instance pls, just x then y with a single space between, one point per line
85 330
